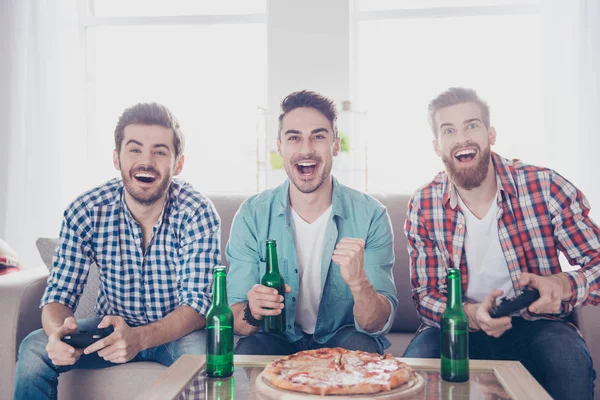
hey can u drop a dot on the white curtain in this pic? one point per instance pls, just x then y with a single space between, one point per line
589 89
44 137
571 35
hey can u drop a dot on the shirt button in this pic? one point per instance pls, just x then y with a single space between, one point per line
289 327
296 271
147 305
460 226
293 299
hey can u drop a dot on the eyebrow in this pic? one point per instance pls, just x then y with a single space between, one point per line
465 122
142 145
314 131
446 124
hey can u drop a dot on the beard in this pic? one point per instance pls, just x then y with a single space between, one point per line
468 178
314 184
145 197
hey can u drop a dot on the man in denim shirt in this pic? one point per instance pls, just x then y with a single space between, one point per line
335 247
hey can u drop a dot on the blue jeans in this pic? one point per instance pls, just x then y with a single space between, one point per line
552 351
37 376
268 344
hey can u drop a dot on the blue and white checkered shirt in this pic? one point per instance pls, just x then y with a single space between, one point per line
176 269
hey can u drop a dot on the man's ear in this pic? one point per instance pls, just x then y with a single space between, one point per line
179 165
337 146
116 162
436 148
492 133
279 147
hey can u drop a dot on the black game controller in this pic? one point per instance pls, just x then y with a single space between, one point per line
83 339
509 306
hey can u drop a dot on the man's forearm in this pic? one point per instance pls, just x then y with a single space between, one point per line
371 309
53 316
178 323
241 327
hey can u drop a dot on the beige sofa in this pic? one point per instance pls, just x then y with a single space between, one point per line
20 294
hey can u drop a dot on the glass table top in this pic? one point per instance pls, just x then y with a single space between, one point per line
482 385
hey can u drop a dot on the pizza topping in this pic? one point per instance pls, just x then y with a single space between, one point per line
337 371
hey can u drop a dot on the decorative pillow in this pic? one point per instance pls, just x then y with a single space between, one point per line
87 300
8 259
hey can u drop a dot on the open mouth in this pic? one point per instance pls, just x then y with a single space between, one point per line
465 155
307 168
145 177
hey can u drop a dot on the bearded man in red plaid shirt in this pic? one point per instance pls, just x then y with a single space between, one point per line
503 223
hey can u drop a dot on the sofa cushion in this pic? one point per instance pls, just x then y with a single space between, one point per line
87 301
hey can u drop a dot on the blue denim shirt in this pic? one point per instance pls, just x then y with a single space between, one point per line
354 215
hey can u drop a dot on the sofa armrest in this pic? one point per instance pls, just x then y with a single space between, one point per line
587 320
20 295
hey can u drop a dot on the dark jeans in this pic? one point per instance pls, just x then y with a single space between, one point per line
552 351
268 344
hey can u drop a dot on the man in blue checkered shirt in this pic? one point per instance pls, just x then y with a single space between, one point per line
155 241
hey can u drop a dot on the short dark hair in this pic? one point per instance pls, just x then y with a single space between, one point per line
150 114
308 98
454 96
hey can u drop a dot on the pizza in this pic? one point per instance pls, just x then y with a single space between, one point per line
332 371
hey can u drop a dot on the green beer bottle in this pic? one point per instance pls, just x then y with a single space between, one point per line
454 333
273 279
219 330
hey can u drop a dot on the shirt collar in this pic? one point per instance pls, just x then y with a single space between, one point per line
337 199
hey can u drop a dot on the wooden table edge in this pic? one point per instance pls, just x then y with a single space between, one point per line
173 381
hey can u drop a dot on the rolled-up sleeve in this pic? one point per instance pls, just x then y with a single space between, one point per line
72 259
199 247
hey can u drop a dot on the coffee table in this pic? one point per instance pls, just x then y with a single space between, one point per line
489 380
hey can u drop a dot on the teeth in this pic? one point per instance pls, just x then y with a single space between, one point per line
307 164
465 152
143 175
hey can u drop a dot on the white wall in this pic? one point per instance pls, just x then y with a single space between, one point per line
4 110
307 48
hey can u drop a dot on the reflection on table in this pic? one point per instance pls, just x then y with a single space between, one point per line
482 386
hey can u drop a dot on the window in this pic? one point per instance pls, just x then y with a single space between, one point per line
406 57
204 60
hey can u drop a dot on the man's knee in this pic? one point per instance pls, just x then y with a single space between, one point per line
254 345
351 339
562 362
192 343
425 344
264 344
32 352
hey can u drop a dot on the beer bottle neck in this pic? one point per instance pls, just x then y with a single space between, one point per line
220 289
454 292
272 264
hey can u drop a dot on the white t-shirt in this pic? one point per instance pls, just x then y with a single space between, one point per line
310 241
485 260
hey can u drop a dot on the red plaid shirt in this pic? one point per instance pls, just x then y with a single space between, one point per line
540 213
